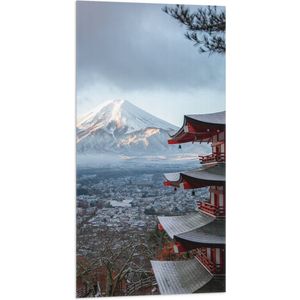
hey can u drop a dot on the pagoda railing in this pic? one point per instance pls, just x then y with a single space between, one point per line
214 157
211 266
211 209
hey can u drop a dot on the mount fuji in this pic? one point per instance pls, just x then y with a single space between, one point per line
119 127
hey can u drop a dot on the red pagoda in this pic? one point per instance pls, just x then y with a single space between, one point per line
201 235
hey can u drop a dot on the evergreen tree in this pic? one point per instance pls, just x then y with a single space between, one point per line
205 27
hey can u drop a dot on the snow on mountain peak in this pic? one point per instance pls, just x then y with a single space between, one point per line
120 127
121 114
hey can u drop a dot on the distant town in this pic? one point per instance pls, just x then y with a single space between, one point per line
116 208
129 202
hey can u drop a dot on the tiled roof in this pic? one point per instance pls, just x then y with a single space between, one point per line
205 125
214 173
179 224
213 118
210 234
180 277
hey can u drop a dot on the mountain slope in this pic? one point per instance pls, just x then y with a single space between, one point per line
122 116
122 128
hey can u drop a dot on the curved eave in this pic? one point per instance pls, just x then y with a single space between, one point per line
176 225
199 127
173 177
213 175
212 234
180 277
218 118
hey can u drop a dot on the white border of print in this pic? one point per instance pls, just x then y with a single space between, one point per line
37 164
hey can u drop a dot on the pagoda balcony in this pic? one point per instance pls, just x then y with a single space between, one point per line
211 209
214 157
211 266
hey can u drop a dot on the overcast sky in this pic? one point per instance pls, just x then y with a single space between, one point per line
138 53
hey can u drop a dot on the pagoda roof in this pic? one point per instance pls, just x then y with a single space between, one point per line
180 277
199 127
211 234
177 225
205 176
195 229
212 119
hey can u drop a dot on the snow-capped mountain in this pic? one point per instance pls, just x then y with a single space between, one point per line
120 127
